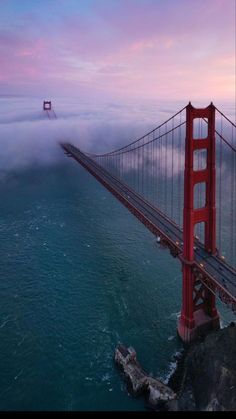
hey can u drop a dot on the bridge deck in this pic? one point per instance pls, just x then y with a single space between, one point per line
213 271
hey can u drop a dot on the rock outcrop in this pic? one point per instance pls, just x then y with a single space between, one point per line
205 378
158 394
209 373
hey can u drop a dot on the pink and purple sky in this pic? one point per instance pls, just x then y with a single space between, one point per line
119 49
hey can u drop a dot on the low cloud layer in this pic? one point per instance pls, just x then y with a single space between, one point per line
28 137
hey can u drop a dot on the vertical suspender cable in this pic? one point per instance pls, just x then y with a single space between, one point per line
232 214
220 188
155 170
179 192
161 178
165 181
159 171
142 166
172 169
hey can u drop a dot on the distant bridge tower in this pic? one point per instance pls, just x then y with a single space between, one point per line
47 107
199 313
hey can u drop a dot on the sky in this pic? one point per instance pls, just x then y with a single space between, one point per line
119 50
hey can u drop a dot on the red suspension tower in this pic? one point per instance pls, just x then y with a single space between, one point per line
199 313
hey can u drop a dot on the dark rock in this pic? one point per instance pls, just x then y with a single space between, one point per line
204 380
209 374
157 393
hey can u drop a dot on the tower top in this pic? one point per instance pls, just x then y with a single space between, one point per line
47 105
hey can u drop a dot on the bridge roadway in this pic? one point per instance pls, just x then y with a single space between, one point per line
212 270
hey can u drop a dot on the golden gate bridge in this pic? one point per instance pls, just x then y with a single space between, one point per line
179 180
48 109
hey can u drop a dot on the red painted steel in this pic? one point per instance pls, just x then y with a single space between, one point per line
205 285
202 273
198 304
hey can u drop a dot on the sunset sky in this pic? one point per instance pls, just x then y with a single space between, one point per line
119 49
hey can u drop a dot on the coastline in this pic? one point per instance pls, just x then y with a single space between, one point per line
205 374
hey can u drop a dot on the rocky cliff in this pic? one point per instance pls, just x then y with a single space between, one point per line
209 373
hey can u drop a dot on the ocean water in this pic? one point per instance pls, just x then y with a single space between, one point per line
78 275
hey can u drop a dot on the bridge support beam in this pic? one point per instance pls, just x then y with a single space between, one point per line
199 313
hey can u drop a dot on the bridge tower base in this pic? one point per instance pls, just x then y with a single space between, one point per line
203 324
199 313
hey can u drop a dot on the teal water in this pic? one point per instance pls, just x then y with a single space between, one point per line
78 275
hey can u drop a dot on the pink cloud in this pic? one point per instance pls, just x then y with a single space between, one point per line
145 49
